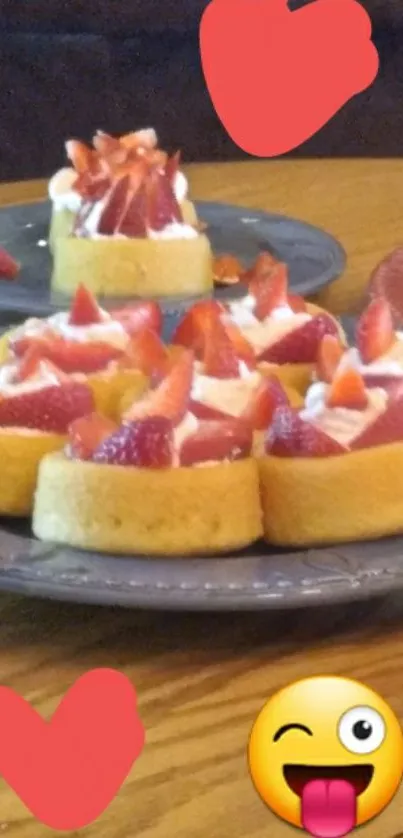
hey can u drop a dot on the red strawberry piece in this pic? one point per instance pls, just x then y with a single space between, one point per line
262 267
146 443
291 436
387 428
20 346
205 412
33 363
147 353
133 222
219 356
302 344
115 207
228 439
242 347
9 268
87 433
163 208
171 397
137 316
330 353
50 409
387 281
70 356
375 333
227 269
348 390
192 328
82 157
91 187
84 310
296 303
270 292
269 395
385 382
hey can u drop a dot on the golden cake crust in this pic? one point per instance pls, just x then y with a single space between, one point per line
351 497
20 454
133 267
298 376
177 511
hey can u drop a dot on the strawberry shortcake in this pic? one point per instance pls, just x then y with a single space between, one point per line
87 343
162 483
282 334
332 472
90 166
34 416
130 237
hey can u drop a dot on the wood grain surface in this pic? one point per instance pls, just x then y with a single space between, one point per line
202 679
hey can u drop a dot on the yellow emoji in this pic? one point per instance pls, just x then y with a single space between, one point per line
326 755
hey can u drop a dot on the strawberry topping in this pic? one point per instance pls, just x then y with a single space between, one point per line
296 303
242 347
49 409
261 268
375 333
229 439
302 344
387 428
71 356
205 411
87 433
291 436
84 309
171 397
9 268
137 316
270 292
227 270
147 353
145 443
264 400
330 353
192 328
219 357
33 363
348 390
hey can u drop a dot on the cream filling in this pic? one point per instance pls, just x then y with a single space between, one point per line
341 423
61 193
109 331
262 334
44 377
390 363
229 395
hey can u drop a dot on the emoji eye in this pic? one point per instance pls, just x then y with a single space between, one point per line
361 730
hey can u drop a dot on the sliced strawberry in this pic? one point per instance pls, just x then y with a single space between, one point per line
205 412
163 207
387 281
133 222
264 400
137 316
302 344
291 436
50 409
192 328
270 292
296 303
146 443
261 268
219 355
242 347
81 156
330 353
385 382
228 439
70 356
84 310
227 270
9 268
171 397
115 207
387 428
348 390
34 364
375 333
20 346
147 353
87 433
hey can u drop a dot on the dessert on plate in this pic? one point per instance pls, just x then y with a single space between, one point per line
281 331
162 483
68 188
34 416
87 343
333 471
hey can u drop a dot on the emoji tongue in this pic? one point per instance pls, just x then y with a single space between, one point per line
328 808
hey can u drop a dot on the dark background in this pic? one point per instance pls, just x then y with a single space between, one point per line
68 67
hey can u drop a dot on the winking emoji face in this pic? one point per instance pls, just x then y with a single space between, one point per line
326 755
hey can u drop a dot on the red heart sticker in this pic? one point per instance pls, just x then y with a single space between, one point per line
68 770
276 77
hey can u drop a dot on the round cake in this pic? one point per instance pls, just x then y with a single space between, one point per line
21 451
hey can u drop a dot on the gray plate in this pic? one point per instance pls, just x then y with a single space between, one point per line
314 257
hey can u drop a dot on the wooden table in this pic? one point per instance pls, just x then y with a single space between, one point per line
201 679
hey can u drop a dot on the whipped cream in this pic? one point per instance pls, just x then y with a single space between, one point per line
108 331
186 427
176 230
61 191
341 423
228 395
391 363
264 333
44 377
